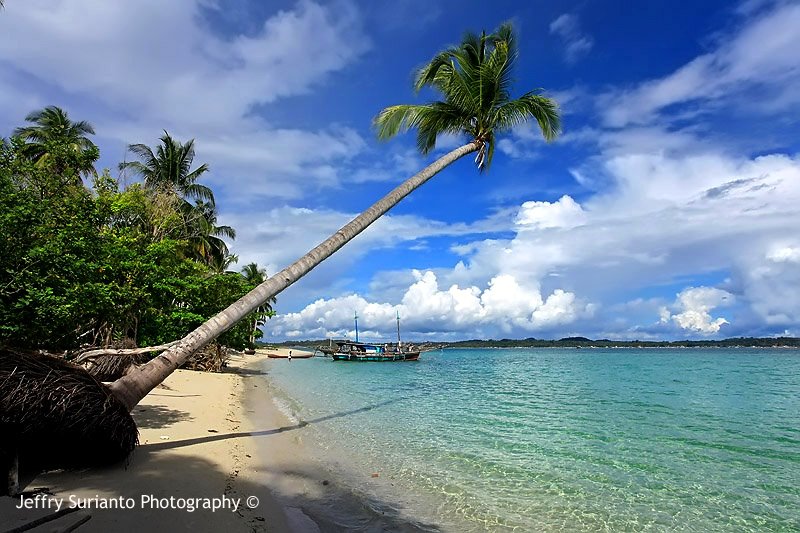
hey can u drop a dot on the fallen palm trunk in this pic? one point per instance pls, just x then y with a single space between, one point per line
109 364
97 352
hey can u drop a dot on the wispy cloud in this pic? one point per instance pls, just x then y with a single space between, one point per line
756 67
181 73
576 43
132 71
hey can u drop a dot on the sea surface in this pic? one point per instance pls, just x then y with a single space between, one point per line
562 439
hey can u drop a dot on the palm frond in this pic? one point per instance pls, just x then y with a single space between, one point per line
136 167
83 128
427 74
495 75
396 119
475 80
195 191
437 118
194 175
531 105
225 231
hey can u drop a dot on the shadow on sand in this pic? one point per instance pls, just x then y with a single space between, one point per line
331 506
156 416
262 433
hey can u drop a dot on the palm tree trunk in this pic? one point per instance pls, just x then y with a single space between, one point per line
252 338
131 388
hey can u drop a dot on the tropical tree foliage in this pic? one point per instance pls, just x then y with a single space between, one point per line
168 176
169 168
53 140
474 79
103 265
205 236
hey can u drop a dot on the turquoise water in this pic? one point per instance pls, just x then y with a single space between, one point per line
577 440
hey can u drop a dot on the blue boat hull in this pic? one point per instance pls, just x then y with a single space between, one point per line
375 357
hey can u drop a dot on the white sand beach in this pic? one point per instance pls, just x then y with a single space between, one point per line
200 443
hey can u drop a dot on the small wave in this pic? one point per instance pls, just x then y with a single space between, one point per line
286 410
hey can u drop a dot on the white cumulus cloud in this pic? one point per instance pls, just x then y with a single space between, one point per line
564 213
505 305
695 305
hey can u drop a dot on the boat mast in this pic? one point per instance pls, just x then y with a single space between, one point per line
355 317
398 330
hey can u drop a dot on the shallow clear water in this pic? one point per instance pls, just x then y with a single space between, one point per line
578 440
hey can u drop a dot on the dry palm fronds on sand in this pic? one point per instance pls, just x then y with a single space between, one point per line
116 363
57 415
212 358
112 367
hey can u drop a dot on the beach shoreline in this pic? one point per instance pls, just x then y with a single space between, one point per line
308 480
225 437
197 447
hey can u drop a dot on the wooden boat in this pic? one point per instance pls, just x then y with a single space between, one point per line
364 352
346 350
301 355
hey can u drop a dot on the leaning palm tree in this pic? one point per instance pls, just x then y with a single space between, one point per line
169 168
474 80
52 130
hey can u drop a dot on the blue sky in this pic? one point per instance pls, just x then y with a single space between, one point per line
667 209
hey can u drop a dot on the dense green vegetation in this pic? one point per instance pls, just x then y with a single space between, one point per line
106 265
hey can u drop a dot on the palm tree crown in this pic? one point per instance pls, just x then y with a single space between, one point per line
475 79
257 276
205 236
253 274
169 168
51 127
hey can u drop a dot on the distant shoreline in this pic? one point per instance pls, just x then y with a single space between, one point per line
583 342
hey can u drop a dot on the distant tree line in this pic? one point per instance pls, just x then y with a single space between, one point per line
583 342
108 264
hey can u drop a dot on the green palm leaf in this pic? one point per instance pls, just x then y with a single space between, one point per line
474 80
52 134
169 168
